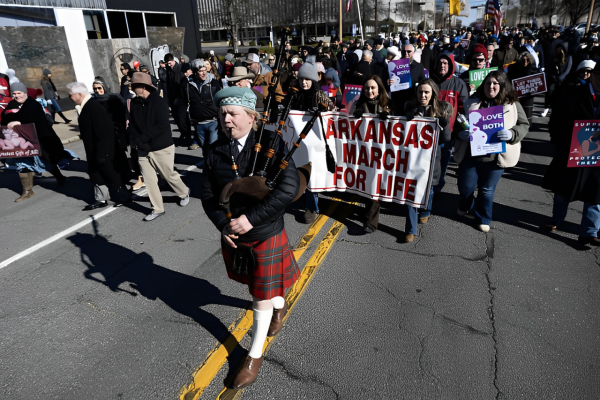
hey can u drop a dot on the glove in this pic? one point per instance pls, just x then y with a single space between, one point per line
505 135
383 115
464 135
358 113
443 121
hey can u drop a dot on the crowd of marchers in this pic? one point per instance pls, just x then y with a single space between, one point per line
129 145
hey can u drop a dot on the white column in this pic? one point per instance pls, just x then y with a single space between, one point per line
72 21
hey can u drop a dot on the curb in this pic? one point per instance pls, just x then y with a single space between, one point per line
71 140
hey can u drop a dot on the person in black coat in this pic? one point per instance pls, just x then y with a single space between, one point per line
429 55
417 74
581 183
175 76
107 163
150 132
254 242
25 110
522 68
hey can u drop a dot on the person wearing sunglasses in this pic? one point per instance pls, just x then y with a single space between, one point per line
417 74
478 61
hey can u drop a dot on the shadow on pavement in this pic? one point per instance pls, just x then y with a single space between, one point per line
113 266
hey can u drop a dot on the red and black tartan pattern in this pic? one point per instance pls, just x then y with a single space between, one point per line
276 268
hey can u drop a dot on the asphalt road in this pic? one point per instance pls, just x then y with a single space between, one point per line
122 309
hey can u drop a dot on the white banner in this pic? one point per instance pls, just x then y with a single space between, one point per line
388 160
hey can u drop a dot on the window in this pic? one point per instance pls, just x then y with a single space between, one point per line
135 22
117 24
156 19
27 16
95 25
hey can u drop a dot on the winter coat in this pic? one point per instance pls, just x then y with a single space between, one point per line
504 56
429 57
452 89
199 97
556 73
549 47
414 110
48 88
515 120
378 63
342 61
581 183
107 163
266 215
31 112
117 110
149 125
333 75
174 78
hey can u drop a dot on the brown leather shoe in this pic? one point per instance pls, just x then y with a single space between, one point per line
248 373
423 220
409 238
277 321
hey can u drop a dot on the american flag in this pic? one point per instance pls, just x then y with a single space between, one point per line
348 6
494 10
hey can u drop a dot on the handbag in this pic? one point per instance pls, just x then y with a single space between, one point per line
243 258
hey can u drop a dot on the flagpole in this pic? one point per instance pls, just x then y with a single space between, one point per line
360 21
340 31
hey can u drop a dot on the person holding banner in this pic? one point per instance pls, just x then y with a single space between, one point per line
484 172
580 103
427 104
254 242
523 68
25 110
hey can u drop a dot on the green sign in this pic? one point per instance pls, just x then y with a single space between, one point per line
478 75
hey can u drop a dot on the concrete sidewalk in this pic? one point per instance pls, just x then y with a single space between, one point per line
68 133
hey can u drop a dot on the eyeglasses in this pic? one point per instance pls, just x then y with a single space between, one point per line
480 60
96 88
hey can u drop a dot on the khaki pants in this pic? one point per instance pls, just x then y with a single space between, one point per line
161 161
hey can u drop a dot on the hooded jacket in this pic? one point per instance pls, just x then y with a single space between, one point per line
452 89
557 72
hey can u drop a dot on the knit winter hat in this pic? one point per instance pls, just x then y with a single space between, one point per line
309 70
229 57
235 96
18 87
296 67
371 42
479 48
46 72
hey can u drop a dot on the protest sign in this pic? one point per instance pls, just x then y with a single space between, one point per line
426 73
20 141
351 94
585 144
400 73
484 125
388 160
465 43
532 84
477 76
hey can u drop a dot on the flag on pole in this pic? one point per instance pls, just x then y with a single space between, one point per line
348 6
454 7
493 9
464 8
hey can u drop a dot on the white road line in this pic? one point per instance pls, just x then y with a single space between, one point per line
72 229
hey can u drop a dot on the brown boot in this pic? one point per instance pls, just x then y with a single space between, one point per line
277 321
27 183
248 373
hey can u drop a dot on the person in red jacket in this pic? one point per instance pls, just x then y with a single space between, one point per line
454 91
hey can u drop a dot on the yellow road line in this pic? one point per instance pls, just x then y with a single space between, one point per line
298 289
205 373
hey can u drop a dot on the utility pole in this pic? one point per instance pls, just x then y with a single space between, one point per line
412 14
376 31
340 31
589 21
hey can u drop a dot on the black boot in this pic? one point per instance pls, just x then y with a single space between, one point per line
63 117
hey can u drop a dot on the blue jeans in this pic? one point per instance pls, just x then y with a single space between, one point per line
484 176
204 131
55 105
312 201
590 220
446 149
413 213
559 209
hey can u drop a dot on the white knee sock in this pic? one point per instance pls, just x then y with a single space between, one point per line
278 302
263 312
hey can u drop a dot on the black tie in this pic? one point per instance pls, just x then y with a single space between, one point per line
235 150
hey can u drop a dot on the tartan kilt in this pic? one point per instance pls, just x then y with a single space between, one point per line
276 269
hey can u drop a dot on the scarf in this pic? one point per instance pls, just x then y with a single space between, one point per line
533 54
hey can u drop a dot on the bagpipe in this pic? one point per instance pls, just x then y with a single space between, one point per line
258 185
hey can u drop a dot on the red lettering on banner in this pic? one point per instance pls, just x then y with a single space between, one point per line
384 190
376 157
343 128
402 160
411 137
349 181
361 177
427 134
354 131
385 132
388 166
363 157
370 129
397 131
398 186
331 129
349 153
409 189
338 174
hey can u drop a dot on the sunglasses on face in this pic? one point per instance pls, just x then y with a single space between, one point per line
96 89
480 60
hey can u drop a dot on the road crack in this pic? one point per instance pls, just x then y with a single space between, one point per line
300 378
489 251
